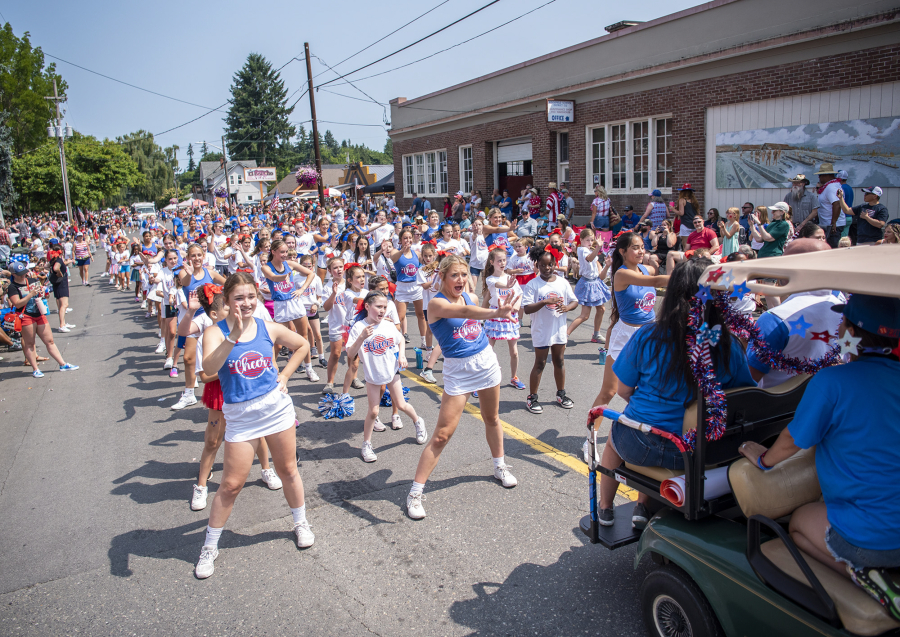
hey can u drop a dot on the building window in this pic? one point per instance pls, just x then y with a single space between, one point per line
231 179
466 169
515 168
249 197
664 157
562 153
240 179
619 156
425 173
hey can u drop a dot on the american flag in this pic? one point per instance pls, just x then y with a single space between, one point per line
273 206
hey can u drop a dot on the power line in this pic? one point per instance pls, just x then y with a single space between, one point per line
419 41
387 36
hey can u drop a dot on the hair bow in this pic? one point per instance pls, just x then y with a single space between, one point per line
442 253
555 253
430 242
712 335
556 231
347 266
494 246
247 270
360 304
210 290
392 288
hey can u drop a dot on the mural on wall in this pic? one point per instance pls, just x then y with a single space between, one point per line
868 149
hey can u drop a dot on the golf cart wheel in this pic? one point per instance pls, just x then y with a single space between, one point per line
673 606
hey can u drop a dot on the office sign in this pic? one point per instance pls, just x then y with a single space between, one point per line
259 174
560 111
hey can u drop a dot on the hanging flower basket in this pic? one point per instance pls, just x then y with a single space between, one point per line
307 177
220 192
173 200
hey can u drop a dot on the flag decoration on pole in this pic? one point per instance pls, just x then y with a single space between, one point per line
273 205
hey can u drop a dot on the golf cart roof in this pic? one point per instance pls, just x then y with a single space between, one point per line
871 270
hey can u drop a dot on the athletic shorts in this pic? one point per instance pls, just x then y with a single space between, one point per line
619 337
171 312
408 291
34 320
61 289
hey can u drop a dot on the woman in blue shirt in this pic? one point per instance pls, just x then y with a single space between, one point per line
656 379
849 413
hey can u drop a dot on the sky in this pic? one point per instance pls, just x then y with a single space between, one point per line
191 49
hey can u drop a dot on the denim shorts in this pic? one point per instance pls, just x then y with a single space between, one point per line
476 272
602 222
645 450
859 558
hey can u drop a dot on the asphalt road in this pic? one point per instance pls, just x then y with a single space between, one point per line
97 538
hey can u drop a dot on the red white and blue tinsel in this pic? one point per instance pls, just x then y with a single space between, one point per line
336 406
386 398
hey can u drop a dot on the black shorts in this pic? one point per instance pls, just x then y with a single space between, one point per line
171 312
61 289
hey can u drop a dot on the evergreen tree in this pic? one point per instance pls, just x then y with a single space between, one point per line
204 151
153 163
389 150
331 143
258 116
7 191
190 153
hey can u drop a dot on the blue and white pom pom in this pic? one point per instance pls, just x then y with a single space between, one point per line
386 398
336 406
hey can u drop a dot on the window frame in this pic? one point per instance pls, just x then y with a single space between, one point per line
606 174
435 159
463 185
562 165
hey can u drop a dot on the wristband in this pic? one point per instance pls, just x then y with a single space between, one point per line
759 462
228 338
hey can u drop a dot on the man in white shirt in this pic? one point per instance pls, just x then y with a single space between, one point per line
831 217
389 203
570 204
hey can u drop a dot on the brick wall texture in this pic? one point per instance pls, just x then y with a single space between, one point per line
687 102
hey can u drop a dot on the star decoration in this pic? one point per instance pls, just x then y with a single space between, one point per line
715 275
703 293
728 279
849 344
823 336
799 327
740 290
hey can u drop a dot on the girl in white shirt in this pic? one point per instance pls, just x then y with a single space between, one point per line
383 352
447 243
497 286
312 299
381 284
591 290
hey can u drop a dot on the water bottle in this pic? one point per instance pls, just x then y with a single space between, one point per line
418 358
602 355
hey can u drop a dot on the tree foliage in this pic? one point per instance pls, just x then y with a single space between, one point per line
190 153
24 82
7 190
97 171
155 164
300 150
258 116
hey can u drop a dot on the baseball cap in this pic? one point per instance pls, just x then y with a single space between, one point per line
875 190
656 193
17 267
783 207
877 314
629 208
54 241
842 174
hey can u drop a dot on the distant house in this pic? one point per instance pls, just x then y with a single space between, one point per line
338 176
212 177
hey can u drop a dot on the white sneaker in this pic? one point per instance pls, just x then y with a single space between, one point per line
168 364
305 537
396 423
70 325
205 566
161 348
111 281
507 479
144 305
184 401
271 479
414 506
198 500
378 426
314 352
421 432
312 375
68 309
368 455
64 329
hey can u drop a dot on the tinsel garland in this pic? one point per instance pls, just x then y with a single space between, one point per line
220 192
705 377
386 398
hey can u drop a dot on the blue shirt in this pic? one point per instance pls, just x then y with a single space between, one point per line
658 402
849 412
848 194
507 210
281 290
407 268
248 372
635 303
630 220
178 226
459 337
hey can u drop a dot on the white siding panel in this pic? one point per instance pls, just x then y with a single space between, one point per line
805 103
854 104
890 101
778 112
844 105
770 114
834 107
814 101
866 96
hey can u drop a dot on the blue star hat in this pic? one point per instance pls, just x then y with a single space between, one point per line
877 314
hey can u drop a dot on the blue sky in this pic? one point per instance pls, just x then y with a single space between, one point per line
191 49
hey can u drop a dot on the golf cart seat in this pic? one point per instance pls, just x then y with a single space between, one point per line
858 612
753 414
779 491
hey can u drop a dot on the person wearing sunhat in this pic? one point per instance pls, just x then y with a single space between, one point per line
857 441
802 199
831 217
687 208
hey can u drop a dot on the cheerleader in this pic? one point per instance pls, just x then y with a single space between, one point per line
352 295
312 299
346 289
548 297
378 344
169 305
432 228
135 261
633 301
591 291
255 406
322 241
407 263
498 285
469 365
447 243
429 281
478 249
362 256
498 231
260 256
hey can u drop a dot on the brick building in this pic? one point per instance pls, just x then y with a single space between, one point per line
678 99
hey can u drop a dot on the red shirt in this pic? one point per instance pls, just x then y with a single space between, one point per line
702 239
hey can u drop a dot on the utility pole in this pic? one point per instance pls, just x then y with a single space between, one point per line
60 133
315 126
225 169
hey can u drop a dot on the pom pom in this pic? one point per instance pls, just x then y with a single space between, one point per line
336 406
386 398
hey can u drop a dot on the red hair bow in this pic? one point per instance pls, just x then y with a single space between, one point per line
494 246
430 241
556 231
247 270
347 266
555 253
392 287
442 253
210 290
359 305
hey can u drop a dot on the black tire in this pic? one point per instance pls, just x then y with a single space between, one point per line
674 606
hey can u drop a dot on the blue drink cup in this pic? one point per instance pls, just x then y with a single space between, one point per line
602 355
418 358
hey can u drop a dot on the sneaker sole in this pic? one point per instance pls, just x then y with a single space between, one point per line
565 406
193 508
411 517
512 486
534 411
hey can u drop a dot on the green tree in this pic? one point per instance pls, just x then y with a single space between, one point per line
97 171
190 153
7 191
331 143
152 162
389 150
24 82
258 116
204 151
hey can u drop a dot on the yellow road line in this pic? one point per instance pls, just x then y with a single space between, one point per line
514 432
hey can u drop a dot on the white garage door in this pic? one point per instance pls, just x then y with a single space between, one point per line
514 150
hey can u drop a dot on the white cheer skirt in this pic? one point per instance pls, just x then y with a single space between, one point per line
408 291
289 310
262 416
473 373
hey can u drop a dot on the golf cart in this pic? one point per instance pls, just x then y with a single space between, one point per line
727 564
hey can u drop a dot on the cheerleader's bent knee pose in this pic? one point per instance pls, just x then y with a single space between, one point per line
407 262
591 291
498 285
382 350
255 406
469 365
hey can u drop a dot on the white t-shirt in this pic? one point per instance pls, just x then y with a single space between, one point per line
502 292
67 247
548 327
378 353
305 244
38 248
380 234
392 315
588 269
383 266
347 299
312 295
828 197
219 243
452 246
479 252
209 261
516 262
423 276
167 285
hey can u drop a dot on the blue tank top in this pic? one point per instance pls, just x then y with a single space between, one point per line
635 303
430 232
500 240
248 371
194 284
459 337
281 290
407 268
